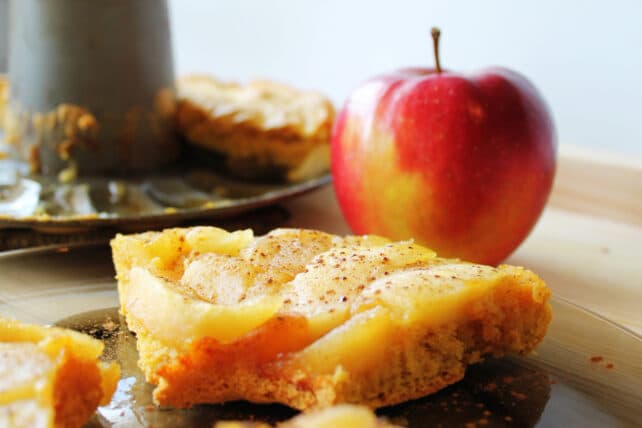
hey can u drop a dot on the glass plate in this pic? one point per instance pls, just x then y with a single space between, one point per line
185 191
587 372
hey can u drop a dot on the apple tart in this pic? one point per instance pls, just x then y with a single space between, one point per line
310 319
262 129
51 377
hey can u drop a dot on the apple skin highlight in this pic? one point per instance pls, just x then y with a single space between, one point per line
464 164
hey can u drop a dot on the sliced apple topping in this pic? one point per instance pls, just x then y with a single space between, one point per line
231 283
432 294
164 253
356 345
326 290
179 320
280 255
215 240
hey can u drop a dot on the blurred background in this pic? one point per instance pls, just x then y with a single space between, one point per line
584 56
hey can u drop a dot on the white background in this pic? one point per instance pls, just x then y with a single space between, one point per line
584 56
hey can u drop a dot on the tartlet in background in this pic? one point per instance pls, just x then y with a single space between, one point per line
260 130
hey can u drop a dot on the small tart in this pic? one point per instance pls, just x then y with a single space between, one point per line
262 128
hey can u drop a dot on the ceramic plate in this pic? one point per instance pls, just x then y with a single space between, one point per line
587 372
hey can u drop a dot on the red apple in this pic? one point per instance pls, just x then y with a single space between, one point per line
462 163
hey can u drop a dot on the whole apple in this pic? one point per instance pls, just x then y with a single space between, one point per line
462 163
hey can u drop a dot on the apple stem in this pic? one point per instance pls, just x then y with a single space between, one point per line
435 32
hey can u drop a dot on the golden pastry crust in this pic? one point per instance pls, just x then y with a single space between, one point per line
261 127
310 319
51 377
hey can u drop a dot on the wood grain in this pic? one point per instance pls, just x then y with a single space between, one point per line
599 184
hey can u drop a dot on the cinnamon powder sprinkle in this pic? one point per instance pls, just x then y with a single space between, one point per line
490 387
596 359
518 395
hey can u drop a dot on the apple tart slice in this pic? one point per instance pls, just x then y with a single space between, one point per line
262 129
310 319
51 377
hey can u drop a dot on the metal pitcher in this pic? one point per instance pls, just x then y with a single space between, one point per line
91 86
